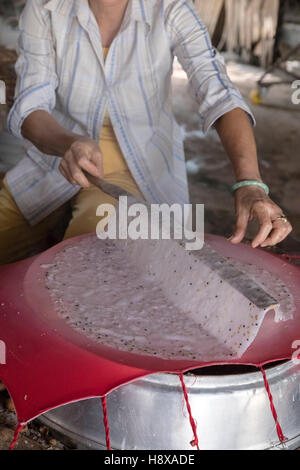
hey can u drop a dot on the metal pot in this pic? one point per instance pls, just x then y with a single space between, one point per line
229 403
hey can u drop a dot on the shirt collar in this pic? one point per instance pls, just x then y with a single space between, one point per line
78 8
59 6
138 10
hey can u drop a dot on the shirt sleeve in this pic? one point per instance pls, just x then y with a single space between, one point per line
35 67
208 79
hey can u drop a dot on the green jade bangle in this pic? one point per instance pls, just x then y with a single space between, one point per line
241 184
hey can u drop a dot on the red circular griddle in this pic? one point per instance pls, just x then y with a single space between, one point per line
49 364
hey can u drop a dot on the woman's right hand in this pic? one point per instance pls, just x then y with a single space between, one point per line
83 154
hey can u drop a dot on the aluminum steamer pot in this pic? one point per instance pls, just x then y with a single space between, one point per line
229 403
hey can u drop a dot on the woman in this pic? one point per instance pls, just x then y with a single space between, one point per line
94 96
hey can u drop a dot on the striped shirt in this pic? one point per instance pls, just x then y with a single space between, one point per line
61 69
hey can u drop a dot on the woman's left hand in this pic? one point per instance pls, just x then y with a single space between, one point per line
251 203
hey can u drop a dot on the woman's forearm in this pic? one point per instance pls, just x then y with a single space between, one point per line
47 134
235 131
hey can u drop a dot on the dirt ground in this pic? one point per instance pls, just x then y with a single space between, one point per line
210 177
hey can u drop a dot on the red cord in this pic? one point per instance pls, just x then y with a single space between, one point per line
105 421
18 429
286 256
280 434
195 441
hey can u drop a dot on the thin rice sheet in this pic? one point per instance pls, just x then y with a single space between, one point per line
155 298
